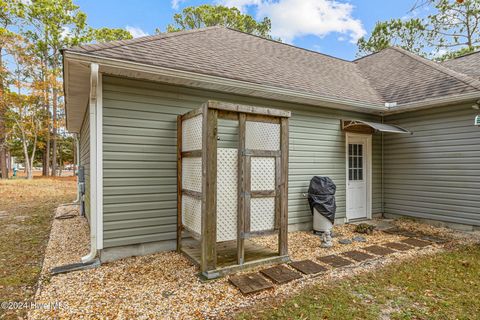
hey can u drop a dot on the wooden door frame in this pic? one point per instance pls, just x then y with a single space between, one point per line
348 136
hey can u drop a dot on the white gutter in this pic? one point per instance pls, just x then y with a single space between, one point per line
94 80
434 102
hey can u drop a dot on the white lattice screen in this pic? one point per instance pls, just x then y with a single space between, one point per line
192 134
262 214
227 194
262 136
192 174
262 173
192 213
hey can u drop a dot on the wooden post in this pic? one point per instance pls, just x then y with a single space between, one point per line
179 183
241 189
209 189
283 232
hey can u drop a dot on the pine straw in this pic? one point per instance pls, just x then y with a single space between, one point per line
165 285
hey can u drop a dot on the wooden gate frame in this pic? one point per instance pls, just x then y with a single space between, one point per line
212 111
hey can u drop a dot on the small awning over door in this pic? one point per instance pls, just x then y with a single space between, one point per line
361 126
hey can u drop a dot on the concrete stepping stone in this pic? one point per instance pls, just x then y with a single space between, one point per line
379 251
345 241
416 242
250 283
359 239
281 274
397 246
335 261
308 267
357 255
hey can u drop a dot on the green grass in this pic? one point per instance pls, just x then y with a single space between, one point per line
443 286
26 212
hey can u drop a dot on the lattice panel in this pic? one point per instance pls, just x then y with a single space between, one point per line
192 213
262 214
192 174
227 195
263 173
262 136
192 134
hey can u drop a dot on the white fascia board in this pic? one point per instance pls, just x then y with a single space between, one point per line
139 70
145 71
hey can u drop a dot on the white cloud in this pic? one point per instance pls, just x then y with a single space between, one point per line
293 18
136 32
176 3
240 4
65 32
440 52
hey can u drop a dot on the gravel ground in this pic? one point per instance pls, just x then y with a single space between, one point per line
166 286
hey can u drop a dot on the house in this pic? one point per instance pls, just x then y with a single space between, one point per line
394 131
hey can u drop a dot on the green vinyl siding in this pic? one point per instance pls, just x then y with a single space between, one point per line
85 158
434 173
139 154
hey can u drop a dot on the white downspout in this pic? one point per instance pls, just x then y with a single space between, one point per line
93 163
77 165
383 173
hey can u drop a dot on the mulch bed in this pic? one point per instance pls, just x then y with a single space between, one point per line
165 285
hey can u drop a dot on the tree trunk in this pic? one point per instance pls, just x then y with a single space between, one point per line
3 162
28 167
46 157
54 132
47 149
60 160
3 109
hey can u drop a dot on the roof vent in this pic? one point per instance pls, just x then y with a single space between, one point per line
477 120
390 104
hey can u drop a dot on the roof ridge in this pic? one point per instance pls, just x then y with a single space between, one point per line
369 55
459 76
287 44
370 83
144 39
462 56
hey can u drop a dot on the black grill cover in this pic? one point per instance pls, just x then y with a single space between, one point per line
321 196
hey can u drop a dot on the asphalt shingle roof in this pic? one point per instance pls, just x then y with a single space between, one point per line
468 64
392 75
402 77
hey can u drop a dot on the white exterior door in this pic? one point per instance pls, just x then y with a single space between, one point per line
358 176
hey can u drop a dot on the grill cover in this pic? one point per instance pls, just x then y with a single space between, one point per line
321 196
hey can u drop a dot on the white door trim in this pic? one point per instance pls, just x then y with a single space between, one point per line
348 136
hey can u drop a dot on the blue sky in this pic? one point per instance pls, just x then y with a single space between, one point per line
330 27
